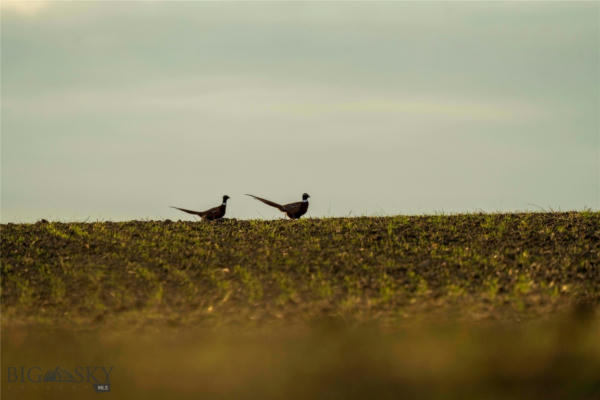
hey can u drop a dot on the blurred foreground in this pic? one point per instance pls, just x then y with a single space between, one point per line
557 358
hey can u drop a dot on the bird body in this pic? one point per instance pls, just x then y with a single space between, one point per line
292 210
210 214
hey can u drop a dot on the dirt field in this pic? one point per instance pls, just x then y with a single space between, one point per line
488 306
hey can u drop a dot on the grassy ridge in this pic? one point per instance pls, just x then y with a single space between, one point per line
501 306
491 266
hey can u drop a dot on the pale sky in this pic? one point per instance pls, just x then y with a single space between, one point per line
116 110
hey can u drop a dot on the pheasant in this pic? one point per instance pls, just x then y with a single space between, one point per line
293 210
210 214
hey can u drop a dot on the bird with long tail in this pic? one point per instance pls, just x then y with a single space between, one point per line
211 214
292 210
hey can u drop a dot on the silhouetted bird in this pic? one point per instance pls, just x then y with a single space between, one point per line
209 215
293 210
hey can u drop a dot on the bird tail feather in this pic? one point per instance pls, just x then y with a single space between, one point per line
268 202
198 213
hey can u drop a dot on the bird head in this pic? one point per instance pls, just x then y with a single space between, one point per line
225 198
305 196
